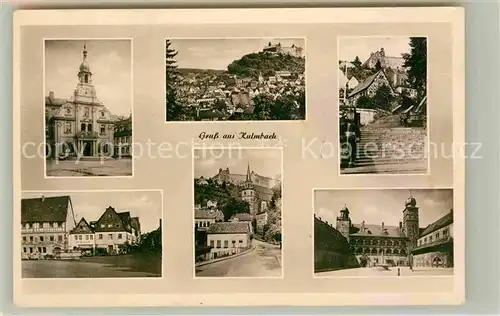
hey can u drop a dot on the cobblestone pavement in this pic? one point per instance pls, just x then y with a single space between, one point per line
75 168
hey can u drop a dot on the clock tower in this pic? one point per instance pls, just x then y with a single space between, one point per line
344 223
410 222
85 90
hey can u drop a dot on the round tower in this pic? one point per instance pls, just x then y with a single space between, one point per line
410 222
344 222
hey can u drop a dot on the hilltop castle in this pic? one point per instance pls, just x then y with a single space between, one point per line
292 50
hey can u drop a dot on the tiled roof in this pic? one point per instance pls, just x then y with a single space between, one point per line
82 227
134 221
229 228
242 217
204 214
55 101
125 217
376 231
45 209
440 223
365 84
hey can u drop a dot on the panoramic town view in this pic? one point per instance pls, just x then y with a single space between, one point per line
374 232
237 214
100 234
383 105
88 108
235 79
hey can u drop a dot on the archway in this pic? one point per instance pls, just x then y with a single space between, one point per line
437 262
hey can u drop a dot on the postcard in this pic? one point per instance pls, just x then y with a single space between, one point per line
239 157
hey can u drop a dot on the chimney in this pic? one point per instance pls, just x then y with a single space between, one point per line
400 225
159 222
382 225
363 226
51 95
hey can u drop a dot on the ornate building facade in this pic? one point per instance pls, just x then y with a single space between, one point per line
81 123
382 244
45 224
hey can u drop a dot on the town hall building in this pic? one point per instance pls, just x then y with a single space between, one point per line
80 123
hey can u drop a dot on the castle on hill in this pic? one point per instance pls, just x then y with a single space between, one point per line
279 49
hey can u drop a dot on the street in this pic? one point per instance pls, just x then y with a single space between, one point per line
393 271
72 168
263 261
123 266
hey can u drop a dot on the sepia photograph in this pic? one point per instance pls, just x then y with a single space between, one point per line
91 234
383 232
383 105
88 107
235 79
237 212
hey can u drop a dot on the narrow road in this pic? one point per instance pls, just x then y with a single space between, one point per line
263 261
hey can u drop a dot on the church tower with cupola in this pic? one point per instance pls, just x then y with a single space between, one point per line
85 91
343 224
248 193
410 222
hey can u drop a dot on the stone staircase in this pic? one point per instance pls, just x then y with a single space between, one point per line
386 147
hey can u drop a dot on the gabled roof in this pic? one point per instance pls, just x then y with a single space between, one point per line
440 223
367 83
45 209
229 228
118 221
126 220
134 221
82 227
376 231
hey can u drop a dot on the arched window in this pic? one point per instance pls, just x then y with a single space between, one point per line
374 251
388 251
89 127
396 251
83 127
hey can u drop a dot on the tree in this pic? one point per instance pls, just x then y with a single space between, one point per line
383 98
174 107
356 62
364 102
233 206
378 65
416 64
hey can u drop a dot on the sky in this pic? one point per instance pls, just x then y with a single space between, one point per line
377 206
219 53
265 162
147 205
110 64
350 47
